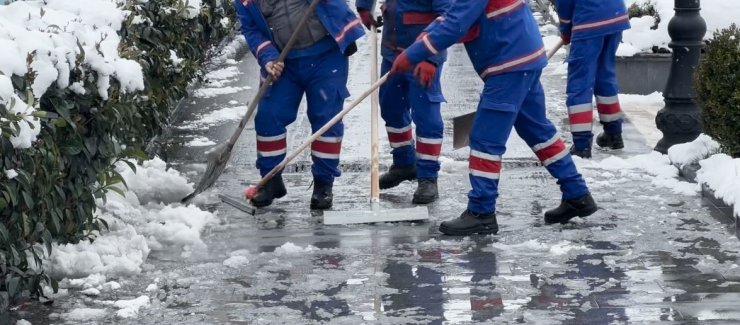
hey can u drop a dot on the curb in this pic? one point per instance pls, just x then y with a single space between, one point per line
688 173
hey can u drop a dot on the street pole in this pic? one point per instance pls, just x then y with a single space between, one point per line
680 119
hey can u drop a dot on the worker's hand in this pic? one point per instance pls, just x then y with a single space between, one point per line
401 64
424 73
367 18
275 69
565 38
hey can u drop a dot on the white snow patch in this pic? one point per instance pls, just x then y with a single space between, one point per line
654 163
84 314
153 182
292 249
200 142
687 153
130 308
236 261
641 38
218 91
22 322
151 287
722 174
11 173
194 8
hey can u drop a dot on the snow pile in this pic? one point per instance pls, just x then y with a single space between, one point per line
238 259
688 153
136 228
654 163
722 174
641 38
153 182
130 308
293 249
200 142
84 314
52 34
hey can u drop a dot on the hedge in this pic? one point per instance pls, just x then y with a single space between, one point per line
53 197
717 85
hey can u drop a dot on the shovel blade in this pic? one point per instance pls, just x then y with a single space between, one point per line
461 126
373 216
218 157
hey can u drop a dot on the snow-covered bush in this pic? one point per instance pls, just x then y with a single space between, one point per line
718 89
83 85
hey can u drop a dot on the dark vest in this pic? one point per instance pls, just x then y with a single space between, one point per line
284 15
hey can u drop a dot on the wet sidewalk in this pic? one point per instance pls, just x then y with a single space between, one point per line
649 255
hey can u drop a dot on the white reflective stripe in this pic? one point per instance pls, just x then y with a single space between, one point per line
324 155
610 117
547 143
601 23
483 155
272 138
426 157
347 28
395 130
564 21
401 144
581 108
479 173
506 65
330 139
272 153
504 10
607 100
555 158
429 140
262 46
429 45
583 127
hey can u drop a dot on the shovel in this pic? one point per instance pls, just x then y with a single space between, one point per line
461 125
219 155
375 214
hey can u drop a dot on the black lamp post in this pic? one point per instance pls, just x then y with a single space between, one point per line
680 119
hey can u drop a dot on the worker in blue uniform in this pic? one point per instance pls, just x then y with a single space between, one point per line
317 66
504 44
415 96
594 30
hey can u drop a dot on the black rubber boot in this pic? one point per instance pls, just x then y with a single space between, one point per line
322 196
426 191
583 206
612 141
274 189
396 175
585 153
470 223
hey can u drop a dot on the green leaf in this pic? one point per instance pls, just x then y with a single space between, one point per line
13 285
4 235
47 241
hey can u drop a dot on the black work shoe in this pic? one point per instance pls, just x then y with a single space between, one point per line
612 141
274 189
322 197
585 153
426 191
396 175
470 223
583 206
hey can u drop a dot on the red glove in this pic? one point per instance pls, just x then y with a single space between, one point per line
424 72
401 64
565 38
367 18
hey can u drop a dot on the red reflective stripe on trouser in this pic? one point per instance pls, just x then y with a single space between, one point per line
428 149
400 137
552 152
327 149
581 118
484 165
272 145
